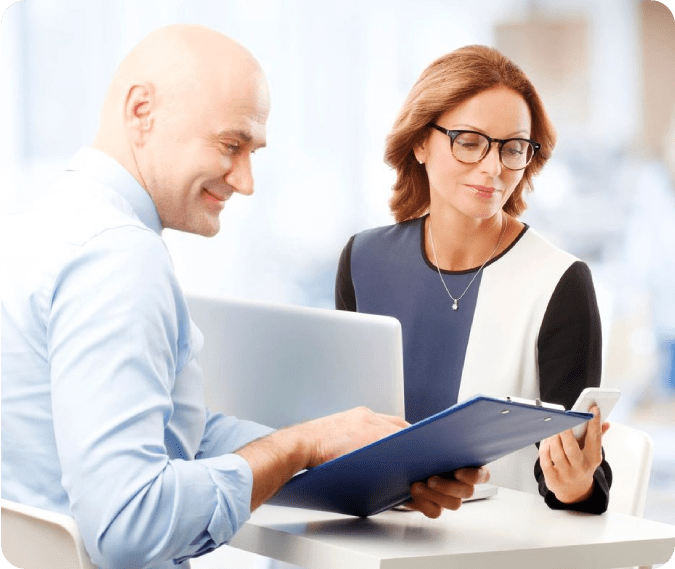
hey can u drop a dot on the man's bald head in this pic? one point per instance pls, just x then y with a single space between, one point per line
177 62
183 48
181 87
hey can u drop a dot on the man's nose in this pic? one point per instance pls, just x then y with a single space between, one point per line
240 178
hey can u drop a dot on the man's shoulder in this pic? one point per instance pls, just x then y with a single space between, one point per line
72 219
80 208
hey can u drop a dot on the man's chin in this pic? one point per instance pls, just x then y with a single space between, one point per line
210 231
208 228
206 225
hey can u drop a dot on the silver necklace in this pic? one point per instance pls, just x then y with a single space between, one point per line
455 304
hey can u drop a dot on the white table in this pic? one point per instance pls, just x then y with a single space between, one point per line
512 529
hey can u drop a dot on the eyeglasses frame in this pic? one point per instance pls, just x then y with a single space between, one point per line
452 134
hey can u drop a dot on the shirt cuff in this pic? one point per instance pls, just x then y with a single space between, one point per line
233 479
596 503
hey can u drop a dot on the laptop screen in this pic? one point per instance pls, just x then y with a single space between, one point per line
283 364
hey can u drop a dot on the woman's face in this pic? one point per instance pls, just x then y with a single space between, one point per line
477 190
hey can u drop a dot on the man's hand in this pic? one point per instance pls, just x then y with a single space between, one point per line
277 457
568 465
274 459
356 428
438 493
344 432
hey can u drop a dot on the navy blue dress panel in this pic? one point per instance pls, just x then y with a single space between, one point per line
391 276
386 271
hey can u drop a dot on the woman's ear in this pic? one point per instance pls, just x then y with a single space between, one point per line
420 151
139 111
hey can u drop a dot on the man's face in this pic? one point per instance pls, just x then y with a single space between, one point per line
199 151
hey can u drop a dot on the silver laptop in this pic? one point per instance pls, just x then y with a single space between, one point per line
283 364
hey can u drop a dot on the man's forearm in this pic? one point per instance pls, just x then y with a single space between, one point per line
274 460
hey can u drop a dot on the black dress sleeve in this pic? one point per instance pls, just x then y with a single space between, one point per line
345 297
570 359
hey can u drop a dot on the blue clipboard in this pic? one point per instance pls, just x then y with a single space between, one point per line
378 476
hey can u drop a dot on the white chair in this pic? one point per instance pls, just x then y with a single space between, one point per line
630 453
33 538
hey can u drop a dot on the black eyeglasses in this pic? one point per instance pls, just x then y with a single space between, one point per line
469 147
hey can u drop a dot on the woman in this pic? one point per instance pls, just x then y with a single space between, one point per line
486 304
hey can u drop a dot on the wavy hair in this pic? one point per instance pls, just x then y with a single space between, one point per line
447 83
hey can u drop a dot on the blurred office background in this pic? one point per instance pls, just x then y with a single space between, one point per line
338 73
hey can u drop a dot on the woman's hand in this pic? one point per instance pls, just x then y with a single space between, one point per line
439 493
568 465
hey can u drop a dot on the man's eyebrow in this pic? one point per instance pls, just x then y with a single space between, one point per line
242 135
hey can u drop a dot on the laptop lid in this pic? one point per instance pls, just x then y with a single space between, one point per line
282 364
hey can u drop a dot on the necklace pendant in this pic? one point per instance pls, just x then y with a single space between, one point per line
455 306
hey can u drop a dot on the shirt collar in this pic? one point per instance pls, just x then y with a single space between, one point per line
111 173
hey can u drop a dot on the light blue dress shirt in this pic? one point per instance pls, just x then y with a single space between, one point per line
103 416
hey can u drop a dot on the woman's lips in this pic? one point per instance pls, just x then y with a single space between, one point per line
484 191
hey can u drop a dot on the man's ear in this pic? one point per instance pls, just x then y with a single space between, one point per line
139 111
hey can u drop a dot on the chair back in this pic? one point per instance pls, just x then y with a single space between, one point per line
630 453
33 538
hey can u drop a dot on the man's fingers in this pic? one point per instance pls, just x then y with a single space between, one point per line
395 420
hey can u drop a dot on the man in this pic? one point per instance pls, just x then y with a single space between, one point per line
103 413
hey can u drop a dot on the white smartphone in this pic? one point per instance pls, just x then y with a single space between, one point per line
603 397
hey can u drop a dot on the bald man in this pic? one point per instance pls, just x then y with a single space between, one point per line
103 415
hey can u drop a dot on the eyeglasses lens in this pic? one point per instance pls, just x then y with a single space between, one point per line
471 147
516 154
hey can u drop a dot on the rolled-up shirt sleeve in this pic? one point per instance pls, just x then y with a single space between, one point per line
224 434
148 471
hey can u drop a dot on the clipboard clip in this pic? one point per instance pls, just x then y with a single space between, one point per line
535 402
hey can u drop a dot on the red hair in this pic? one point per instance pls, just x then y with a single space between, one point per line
446 83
